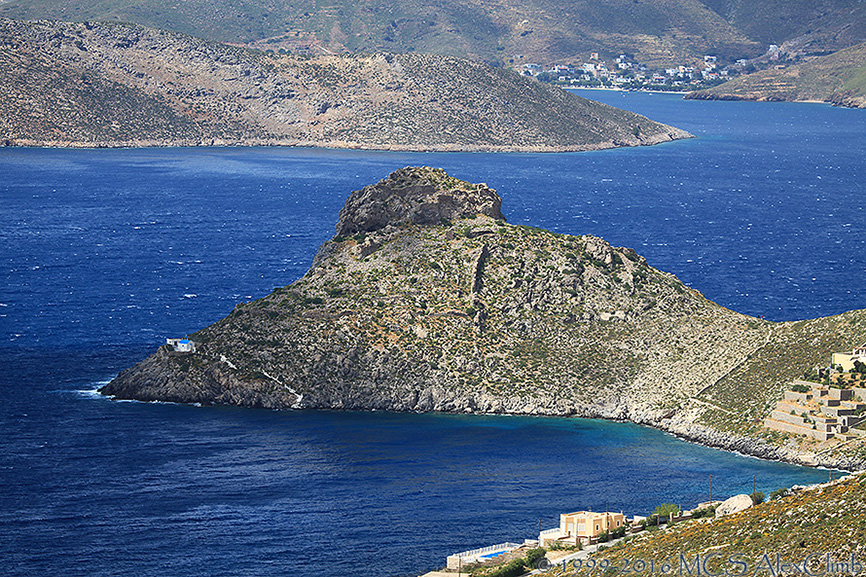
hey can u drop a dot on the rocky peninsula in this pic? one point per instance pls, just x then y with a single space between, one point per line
428 300
838 79
108 85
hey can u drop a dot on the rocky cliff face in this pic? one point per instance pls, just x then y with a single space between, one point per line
421 196
437 304
86 84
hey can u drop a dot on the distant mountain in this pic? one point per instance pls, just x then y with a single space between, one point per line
812 25
82 84
654 31
838 78
499 31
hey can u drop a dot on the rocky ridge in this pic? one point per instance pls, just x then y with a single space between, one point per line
100 84
446 307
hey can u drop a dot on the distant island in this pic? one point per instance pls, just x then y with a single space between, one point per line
109 85
426 299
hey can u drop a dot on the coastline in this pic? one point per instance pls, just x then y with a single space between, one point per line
833 100
614 89
697 435
671 135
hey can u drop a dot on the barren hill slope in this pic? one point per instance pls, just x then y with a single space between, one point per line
838 78
82 84
808 531
539 30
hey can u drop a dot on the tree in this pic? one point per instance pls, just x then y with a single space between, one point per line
666 509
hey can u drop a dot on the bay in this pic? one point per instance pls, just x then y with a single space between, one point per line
106 252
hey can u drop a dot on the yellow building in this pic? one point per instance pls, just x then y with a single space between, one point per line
581 527
846 360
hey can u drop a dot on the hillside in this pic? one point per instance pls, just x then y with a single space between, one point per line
427 300
807 525
655 32
815 26
839 78
67 84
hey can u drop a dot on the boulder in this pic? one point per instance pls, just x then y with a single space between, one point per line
733 505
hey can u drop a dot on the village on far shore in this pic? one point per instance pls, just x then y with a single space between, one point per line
625 73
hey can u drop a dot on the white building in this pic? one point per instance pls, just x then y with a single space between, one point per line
181 345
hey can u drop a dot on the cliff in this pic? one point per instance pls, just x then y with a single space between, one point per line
444 306
96 85
838 78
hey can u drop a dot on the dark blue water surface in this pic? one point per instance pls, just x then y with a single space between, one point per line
103 253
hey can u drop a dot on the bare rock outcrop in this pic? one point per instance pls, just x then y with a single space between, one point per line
416 195
733 505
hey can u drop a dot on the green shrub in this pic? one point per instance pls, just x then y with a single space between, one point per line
604 537
705 512
533 555
778 493
513 568
757 498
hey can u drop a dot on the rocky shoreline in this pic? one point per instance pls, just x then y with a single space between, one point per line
836 99
670 136
679 428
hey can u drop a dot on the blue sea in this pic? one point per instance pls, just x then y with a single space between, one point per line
104 253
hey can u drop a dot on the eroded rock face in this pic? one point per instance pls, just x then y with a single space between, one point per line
417 195
733 505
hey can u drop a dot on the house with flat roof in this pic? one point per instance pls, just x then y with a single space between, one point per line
846 360
581 527
181 345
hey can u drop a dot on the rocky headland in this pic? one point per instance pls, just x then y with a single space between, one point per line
109 85
428 300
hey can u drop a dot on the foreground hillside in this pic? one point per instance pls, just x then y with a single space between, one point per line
838 78
815 525
67 84
427 300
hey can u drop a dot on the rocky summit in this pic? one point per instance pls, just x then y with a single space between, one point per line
428 300
420 196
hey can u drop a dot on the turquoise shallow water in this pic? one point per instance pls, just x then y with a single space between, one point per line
106 252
